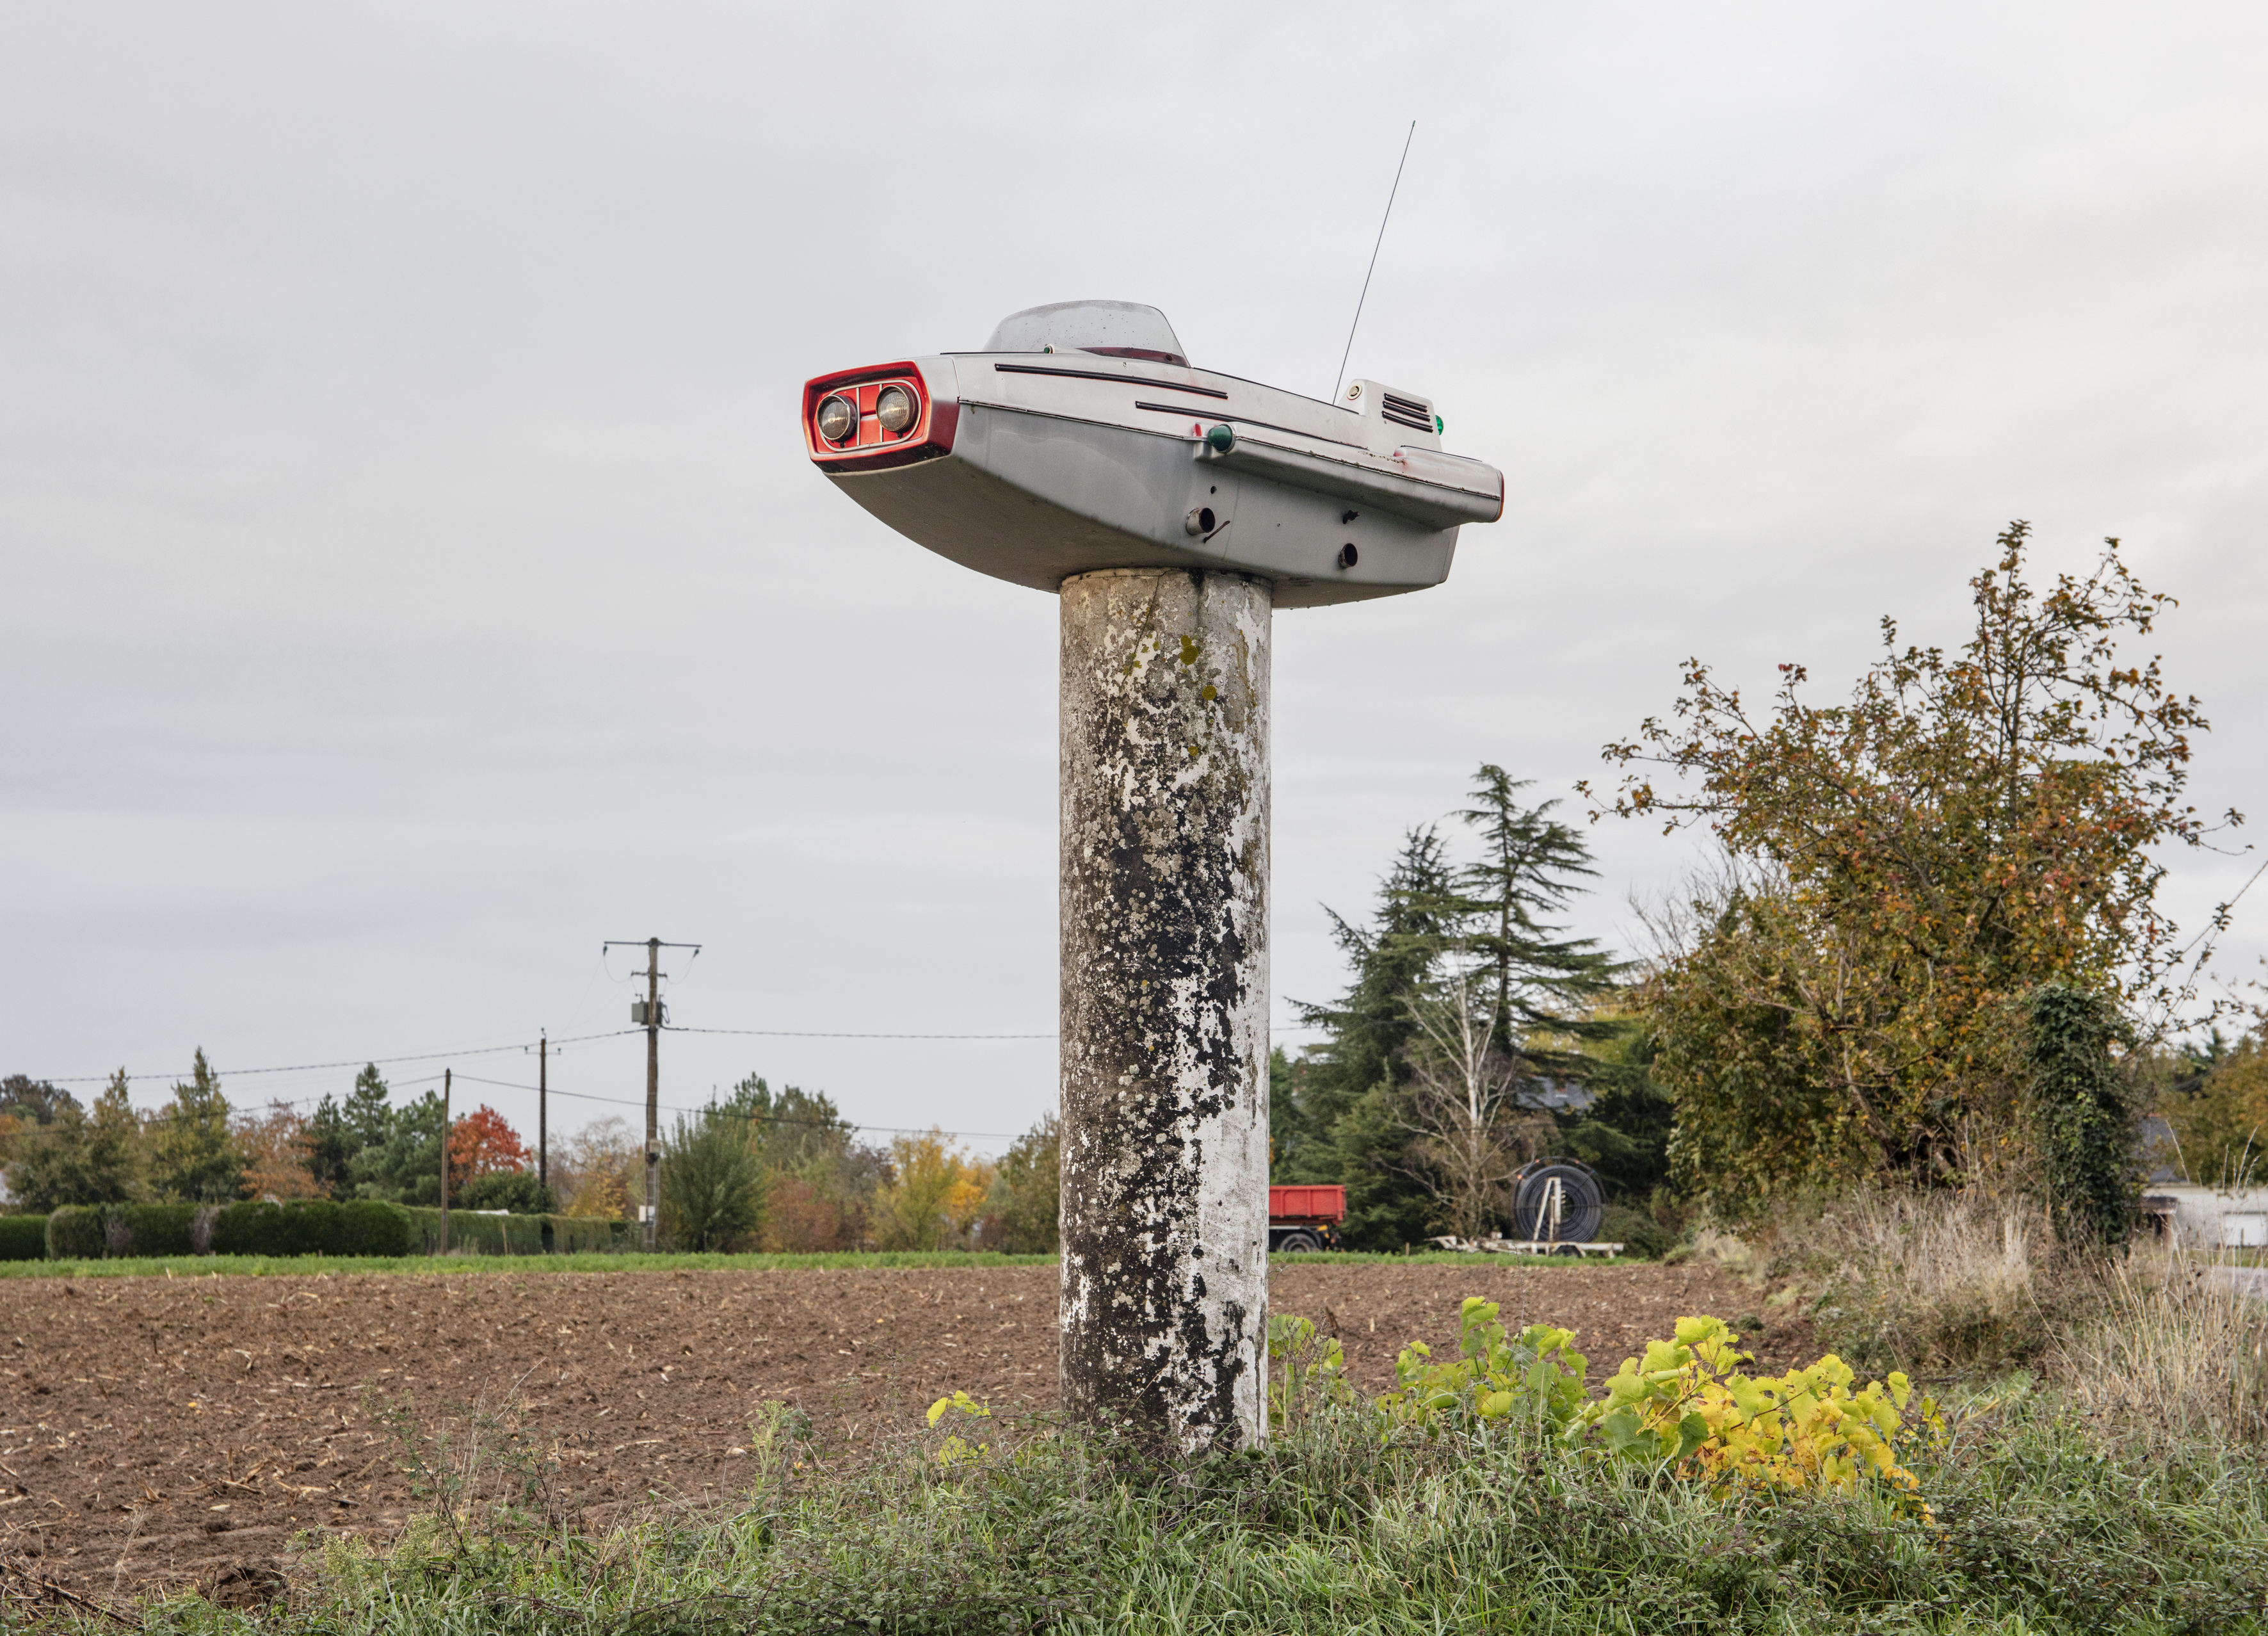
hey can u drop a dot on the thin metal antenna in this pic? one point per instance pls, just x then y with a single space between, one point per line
1372 267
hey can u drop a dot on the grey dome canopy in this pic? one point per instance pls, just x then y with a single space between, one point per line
1112 328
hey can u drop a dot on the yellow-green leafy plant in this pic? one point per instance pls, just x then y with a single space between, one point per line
1535 1375
1688 1406
957 1449
1305 1372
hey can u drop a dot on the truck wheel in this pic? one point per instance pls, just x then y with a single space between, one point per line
1299 1243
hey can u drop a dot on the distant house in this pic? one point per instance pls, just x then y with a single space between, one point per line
2207 1219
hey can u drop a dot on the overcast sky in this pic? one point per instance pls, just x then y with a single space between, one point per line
410 575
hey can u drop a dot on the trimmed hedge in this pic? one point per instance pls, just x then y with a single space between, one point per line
311 1226
75 1234
306 1227
92 1232
23 1238
479 1233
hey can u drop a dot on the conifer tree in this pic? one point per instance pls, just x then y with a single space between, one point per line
194 1156
1531 865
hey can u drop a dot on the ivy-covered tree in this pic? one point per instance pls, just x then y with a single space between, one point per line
1906 866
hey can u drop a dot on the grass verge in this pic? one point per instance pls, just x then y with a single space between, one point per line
1342 1524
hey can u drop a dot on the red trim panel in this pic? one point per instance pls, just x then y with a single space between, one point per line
1305 1205
867 446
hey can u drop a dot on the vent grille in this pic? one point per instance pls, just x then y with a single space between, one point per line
1406 412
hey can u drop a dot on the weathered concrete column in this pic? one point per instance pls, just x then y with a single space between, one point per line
1165 1002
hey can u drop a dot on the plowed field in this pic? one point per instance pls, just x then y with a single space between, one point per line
154 1432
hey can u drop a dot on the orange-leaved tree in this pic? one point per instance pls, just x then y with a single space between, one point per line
275 1145
481 1143
1901 865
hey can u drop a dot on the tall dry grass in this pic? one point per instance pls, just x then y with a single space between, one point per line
2172 1347
2150 1342
1941 1282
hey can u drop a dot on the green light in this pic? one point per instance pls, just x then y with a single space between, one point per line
1221 439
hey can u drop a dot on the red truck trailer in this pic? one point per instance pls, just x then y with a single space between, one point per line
1305 1218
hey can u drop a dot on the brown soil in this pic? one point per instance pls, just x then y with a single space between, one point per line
156 1433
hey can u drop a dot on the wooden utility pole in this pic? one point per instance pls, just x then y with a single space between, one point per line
543 1113
653 1093
648 1012
446 1075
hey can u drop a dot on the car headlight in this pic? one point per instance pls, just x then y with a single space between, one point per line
838 418
894 409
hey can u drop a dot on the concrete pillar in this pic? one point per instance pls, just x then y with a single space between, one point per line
1165 1002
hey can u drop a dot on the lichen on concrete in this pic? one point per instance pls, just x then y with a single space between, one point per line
1165 863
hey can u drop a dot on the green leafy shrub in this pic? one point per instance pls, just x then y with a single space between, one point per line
23 1238
1636 1232
149 1229
1538 1374
75 1234
1687 1406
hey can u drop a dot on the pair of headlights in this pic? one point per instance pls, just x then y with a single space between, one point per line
839 415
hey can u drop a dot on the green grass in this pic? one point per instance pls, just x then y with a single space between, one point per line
302 1266
1342 1525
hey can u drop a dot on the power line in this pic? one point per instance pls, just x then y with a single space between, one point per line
351 1062
813 1033
824 1124
219 1071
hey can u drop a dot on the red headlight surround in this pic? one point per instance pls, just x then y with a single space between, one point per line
868 444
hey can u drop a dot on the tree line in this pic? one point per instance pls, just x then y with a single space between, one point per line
780 1170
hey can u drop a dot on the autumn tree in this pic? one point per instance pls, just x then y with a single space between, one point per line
2219 1117
593 1169
194 1154
277 1147
483 1143
1902 869
935 1194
